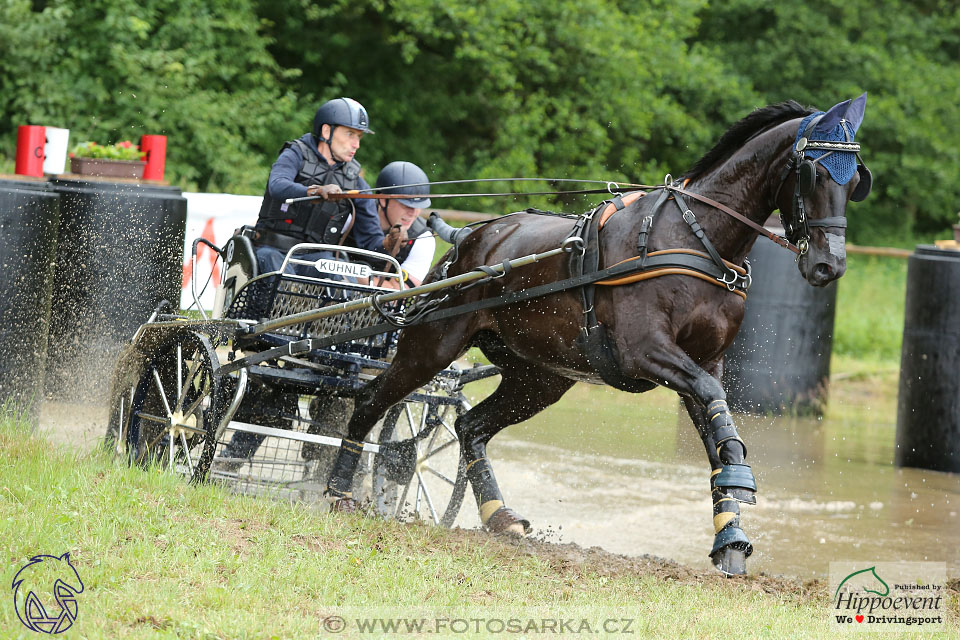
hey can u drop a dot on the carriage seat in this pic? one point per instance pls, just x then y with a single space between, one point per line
241 267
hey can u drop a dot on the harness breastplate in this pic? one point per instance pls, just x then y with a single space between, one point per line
320 220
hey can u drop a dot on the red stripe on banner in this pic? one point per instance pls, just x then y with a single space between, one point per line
203 250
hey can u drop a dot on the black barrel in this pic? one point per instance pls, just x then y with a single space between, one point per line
120 254
928 406
29 218
780 359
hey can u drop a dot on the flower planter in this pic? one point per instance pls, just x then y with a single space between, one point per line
107 168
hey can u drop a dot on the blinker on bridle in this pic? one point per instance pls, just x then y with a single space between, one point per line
797 227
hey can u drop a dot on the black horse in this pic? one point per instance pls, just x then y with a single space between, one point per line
666 328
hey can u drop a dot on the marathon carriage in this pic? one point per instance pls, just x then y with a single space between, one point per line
242 398
645 289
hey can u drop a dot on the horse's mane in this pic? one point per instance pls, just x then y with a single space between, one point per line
736 136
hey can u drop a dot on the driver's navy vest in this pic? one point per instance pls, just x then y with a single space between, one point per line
318 220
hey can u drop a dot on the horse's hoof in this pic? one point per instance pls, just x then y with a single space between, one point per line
508 521
731 548
730 561
344 505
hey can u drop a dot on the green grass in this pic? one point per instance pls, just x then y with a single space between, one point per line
163 559
870 308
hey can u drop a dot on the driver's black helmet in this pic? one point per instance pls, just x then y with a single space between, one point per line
344 112
399 173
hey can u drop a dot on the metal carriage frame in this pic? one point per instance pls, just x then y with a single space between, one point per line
185 388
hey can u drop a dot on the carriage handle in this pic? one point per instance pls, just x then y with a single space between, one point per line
335 248
367 302
193 273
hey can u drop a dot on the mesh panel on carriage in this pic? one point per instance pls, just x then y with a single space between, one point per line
276 296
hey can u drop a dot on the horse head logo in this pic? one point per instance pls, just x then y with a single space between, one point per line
864 579
43 581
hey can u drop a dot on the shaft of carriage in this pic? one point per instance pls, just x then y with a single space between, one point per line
370 301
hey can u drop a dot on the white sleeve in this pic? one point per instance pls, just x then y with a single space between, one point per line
420 259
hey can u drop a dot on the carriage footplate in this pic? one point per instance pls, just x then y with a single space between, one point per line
735 477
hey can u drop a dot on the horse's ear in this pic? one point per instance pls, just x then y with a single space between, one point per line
849 110
854 114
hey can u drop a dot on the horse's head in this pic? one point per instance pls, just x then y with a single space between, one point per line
824 173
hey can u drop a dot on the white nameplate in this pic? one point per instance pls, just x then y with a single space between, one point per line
351 269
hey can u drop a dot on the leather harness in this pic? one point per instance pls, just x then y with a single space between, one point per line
594 338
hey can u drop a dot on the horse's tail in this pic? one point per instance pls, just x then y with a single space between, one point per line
445 231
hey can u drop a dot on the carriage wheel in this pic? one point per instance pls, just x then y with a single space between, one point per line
420 473
172 415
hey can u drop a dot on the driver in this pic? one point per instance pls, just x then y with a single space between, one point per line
400 217
318 164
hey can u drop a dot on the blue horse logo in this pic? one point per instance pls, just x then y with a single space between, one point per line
38 584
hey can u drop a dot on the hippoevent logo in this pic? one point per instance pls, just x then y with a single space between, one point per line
42 585
888 596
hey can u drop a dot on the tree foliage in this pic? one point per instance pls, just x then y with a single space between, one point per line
198 71
610 89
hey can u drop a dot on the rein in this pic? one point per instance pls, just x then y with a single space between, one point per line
760 229
612 188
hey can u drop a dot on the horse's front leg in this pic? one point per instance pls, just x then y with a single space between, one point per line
731 547
731 480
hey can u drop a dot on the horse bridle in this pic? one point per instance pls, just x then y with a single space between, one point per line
797 225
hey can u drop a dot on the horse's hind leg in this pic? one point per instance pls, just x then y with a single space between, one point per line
412 367
731 480
524 391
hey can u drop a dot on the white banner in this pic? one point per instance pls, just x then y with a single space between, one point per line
213 216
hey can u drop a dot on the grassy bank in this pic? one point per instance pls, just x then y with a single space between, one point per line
162 559
870 308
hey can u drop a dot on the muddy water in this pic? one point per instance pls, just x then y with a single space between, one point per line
629 474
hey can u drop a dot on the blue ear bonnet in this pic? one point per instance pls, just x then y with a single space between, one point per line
839 124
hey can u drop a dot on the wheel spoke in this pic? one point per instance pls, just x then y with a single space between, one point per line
171 451
186 385
410 421
402 500
448 428
179 375
163 394
433 452
193 405
186 451
433 438
426 494
441 476
150 446
152 418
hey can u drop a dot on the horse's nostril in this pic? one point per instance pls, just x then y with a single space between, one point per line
824 270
